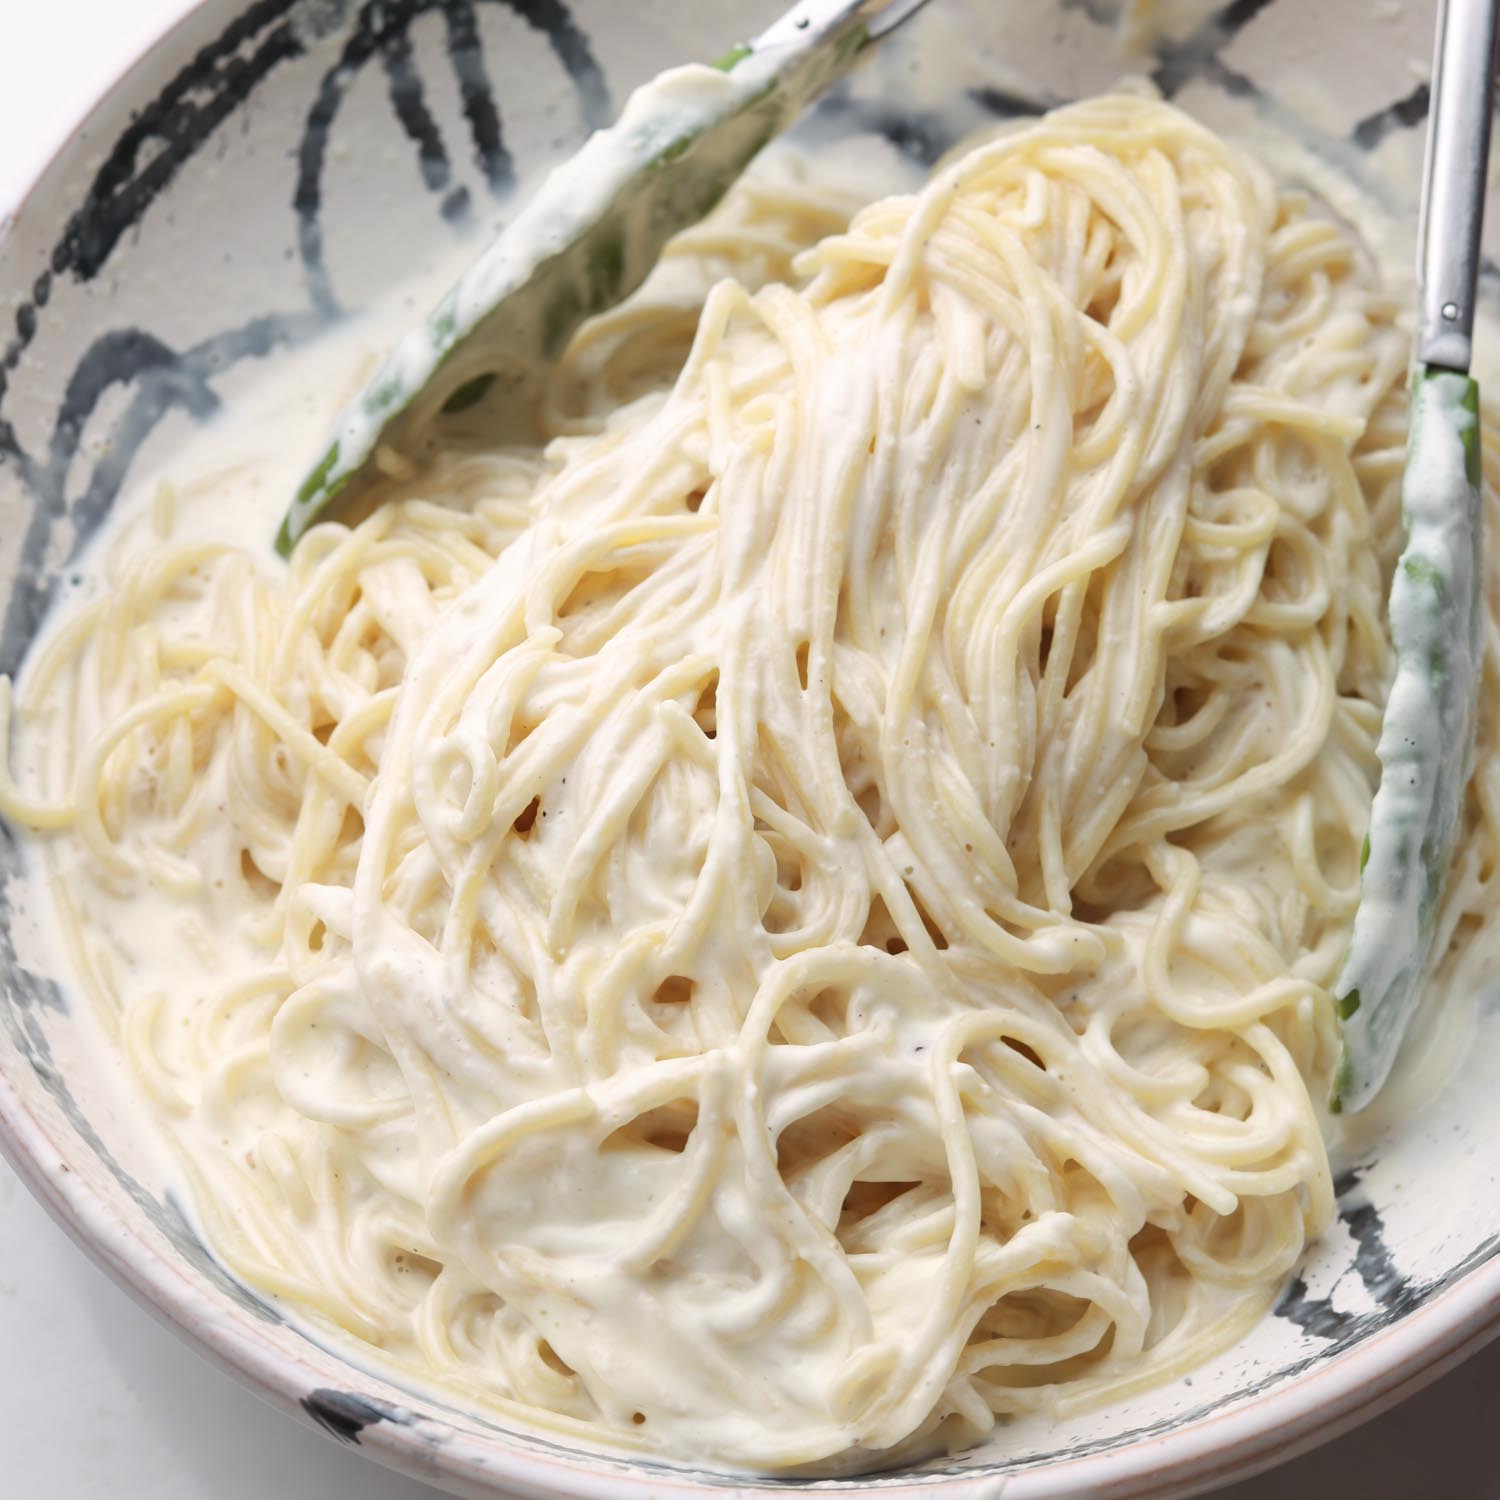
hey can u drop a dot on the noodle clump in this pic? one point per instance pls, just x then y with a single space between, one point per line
795 921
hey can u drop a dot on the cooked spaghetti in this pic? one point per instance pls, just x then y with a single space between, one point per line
794 921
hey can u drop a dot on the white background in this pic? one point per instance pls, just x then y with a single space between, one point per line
96 1400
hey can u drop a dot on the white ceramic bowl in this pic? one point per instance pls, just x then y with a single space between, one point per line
271 164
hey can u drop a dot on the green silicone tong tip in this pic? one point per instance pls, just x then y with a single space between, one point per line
590 236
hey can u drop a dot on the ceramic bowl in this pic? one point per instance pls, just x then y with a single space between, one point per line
268 167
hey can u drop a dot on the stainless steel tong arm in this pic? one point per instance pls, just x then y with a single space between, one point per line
1458 142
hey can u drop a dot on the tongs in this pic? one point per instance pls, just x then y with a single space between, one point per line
592 234
1437 594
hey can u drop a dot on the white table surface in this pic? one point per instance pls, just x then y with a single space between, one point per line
97 1400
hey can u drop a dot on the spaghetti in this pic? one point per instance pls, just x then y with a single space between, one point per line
794 922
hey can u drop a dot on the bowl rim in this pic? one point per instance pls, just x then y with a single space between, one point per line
1245 1437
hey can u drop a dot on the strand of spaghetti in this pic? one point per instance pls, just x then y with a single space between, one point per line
26 812
338 773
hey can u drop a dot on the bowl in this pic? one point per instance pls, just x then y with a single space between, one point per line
269 167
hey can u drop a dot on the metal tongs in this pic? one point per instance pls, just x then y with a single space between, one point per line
1437 594
591 235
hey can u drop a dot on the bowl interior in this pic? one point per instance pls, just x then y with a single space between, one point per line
272 167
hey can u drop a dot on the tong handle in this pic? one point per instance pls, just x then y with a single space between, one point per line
817 17
1454 180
